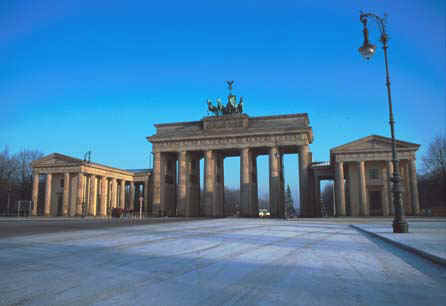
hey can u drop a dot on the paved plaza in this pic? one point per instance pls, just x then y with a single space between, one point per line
215 262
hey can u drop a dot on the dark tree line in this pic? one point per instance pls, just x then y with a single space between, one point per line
327 200
16 177
432 180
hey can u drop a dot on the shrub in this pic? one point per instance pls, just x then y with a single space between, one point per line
116 212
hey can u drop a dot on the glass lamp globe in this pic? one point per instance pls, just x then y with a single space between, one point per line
367 50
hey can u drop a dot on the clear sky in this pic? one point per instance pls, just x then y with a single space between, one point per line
96 75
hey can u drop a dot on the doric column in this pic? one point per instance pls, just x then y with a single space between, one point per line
183 182
340 190
103 201
209 182
35 192
390 186
122 195
407 197
93 196
156 205
245 182
317 191
147 194
314 205
385 193
66 193
80 193
363 205
275 184
414 187
353 188
132 195
73 195
114 192
168 196
193 199
304 164
47 207
249 206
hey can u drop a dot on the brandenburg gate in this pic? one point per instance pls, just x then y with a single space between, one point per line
178 148
361 171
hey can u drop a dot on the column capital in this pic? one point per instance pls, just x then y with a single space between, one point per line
303 148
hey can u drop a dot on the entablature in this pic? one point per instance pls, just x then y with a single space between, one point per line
371 156
228 142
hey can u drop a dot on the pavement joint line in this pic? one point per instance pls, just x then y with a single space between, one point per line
431 257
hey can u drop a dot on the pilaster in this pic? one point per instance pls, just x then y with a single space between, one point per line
147 194
304 164
92 196
363 205
103 201
114 192
385 193
340 190
122 195
414 188
157 185
80 193
48 185
132 196
66 193
35 194
73 195
389 169
407 196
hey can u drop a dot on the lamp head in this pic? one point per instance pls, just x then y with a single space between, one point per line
367 50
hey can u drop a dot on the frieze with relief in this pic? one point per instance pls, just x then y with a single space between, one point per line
295 139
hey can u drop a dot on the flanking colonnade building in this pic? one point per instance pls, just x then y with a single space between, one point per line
361 172
76 187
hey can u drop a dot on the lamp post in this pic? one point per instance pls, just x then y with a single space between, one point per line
367 50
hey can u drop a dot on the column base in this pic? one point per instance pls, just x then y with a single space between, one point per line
400 227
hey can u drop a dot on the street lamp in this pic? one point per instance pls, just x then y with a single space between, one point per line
367 50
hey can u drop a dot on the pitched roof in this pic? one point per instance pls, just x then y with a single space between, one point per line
374 143
56 159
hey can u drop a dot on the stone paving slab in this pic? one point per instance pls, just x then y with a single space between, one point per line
427 239
215 262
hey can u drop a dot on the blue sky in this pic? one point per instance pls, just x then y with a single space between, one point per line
96 75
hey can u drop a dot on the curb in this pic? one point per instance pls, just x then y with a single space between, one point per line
434 258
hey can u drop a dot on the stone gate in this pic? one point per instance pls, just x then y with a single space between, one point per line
178 148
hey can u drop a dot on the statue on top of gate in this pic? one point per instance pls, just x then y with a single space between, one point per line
231 106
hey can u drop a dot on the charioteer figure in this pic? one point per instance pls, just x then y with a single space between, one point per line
232 107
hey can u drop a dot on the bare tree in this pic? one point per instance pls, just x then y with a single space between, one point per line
432 183
232 201
15 177
327 199
8 175
435 160
25 179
